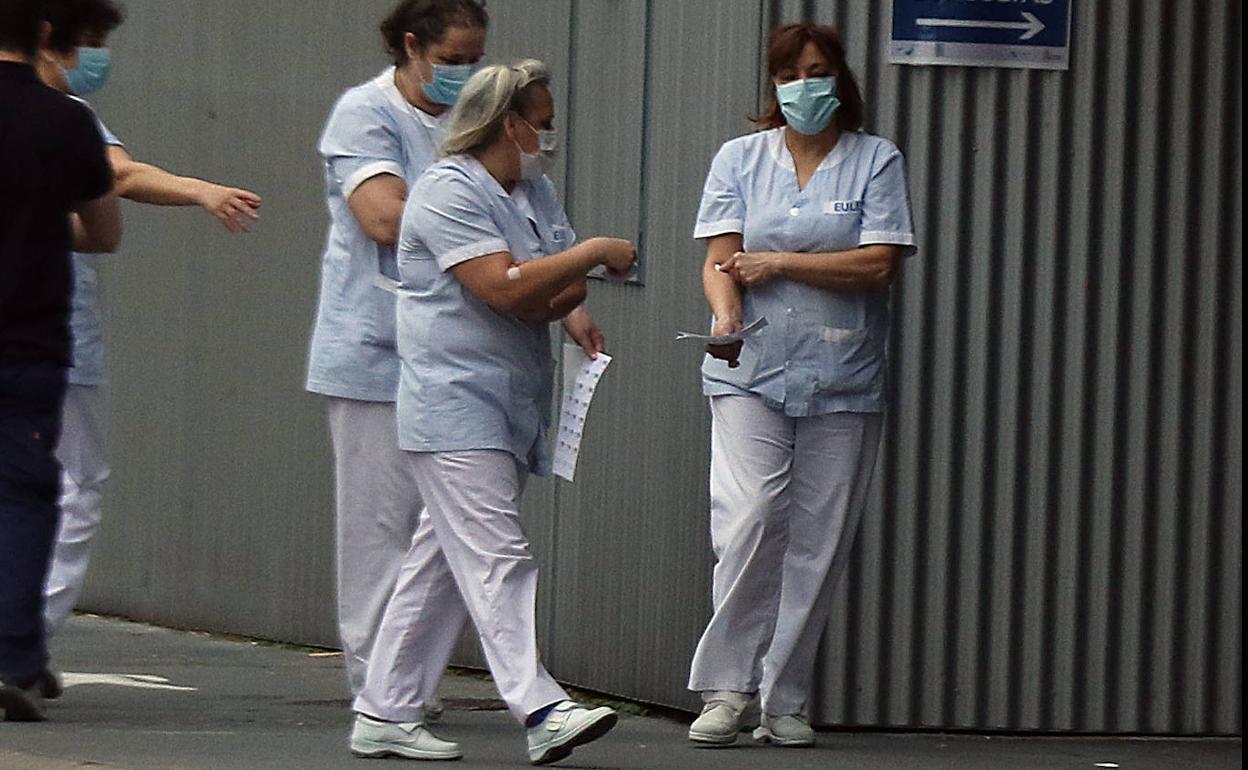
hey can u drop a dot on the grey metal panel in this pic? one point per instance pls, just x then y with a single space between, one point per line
606 132
218 510
1050 332
1053 540
525 30
633 526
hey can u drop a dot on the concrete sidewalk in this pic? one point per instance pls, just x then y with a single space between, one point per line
143 698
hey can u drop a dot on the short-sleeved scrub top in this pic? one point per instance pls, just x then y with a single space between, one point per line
473 377
822 351
85 323
373 130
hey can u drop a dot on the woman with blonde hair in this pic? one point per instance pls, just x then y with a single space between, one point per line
486 261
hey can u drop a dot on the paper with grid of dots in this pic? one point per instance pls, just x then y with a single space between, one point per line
580 378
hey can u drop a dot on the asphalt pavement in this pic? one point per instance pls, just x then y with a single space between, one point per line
146 698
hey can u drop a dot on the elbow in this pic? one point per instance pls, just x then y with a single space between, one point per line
123 184
379 227
383 233
523 305
511 303
127 178
883 272
101 243
108 239
501 297
576 295
111 243
883 278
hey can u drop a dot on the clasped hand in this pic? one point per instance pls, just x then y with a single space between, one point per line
751 268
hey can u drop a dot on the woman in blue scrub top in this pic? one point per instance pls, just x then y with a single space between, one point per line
487 260
804 222
381 136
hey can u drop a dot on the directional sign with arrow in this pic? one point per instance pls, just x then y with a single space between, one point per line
1010 33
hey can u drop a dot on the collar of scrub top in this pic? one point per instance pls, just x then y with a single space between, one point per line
520 195
781 153
482 175
385 81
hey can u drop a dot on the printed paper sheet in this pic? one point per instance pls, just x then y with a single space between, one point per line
580 379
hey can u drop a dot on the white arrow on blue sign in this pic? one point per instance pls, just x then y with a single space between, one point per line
1021 33
1030 25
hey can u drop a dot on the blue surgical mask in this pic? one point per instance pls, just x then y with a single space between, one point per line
448 81
91 74
808 104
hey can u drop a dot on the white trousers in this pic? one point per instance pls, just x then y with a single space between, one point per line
471 559
787 494
84 470
377 518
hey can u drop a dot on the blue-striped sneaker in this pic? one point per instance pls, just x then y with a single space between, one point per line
567 726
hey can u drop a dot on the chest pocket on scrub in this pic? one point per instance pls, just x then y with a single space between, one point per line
555 239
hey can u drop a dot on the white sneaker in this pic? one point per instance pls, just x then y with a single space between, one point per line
719 724
567 726
373 738
434 710
790 730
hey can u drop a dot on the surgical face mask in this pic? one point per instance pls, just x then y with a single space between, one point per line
535 165
532 166
448 81
548 143
808 104
94 65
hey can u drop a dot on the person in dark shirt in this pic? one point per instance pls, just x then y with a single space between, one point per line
56 194
81 451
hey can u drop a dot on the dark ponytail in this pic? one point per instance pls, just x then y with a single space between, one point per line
428 20
73 19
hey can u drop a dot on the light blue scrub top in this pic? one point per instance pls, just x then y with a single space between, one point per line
85 322
822 351
472 377
373 130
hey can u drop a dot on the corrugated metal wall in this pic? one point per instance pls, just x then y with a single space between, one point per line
1054 540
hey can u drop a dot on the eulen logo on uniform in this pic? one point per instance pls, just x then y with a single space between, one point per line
842 207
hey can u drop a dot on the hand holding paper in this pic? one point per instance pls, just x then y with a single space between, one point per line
726 347
725 339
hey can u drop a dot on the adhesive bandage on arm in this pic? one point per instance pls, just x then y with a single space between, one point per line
513 273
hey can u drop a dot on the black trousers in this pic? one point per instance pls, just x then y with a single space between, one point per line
31 395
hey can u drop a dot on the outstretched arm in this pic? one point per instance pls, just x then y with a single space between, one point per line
145 183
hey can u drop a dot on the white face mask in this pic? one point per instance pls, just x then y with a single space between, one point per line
548 142
532 166
535 165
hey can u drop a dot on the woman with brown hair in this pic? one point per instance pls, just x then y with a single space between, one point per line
381 136
804 223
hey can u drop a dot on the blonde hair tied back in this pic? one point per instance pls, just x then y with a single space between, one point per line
477 117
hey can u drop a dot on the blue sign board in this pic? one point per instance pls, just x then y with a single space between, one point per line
982 33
